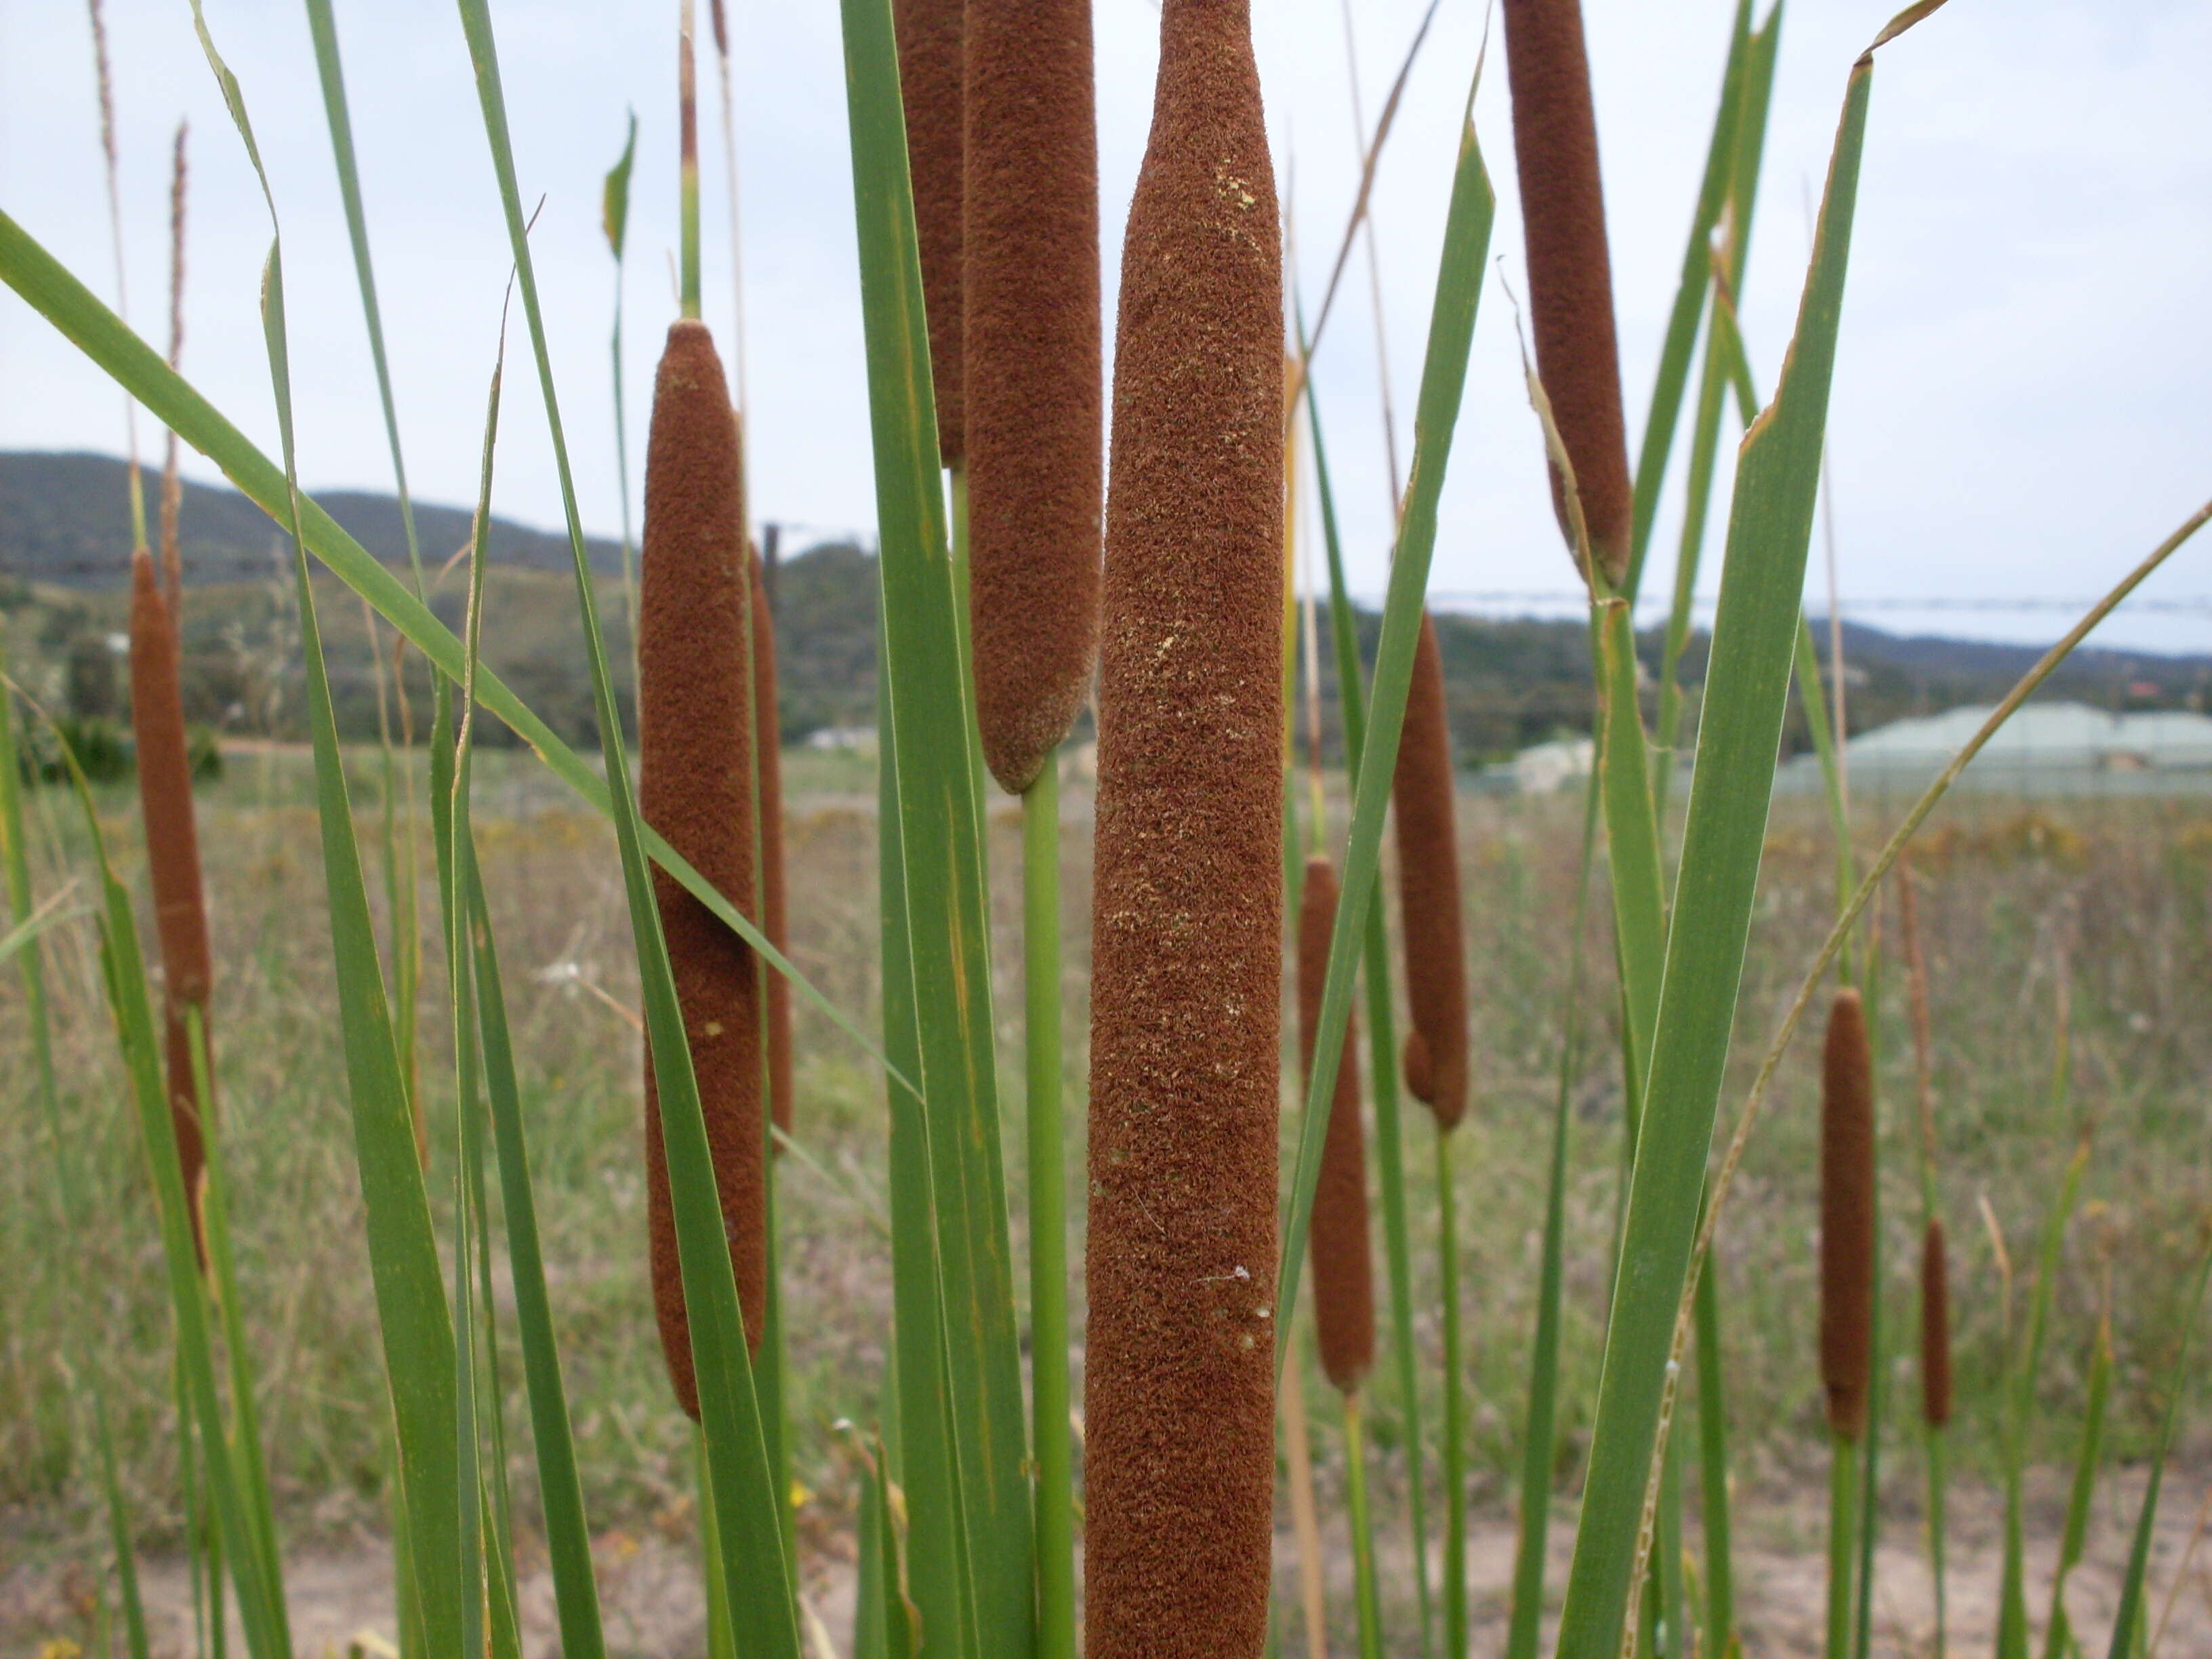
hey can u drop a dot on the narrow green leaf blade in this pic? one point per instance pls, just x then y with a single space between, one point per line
1690 291
2127 1623
941 817
1381 1041
1443 378
936 1542
1769 530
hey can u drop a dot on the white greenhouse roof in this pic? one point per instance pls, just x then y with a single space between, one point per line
2040 742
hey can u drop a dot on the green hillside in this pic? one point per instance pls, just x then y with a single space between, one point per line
65 529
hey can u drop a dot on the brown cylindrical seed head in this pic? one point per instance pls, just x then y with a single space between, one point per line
173 850
929 52
1569 269
694 786
1343 1271
1428 892
1846 1214
1187 903
1029 227
1935 1327
775 918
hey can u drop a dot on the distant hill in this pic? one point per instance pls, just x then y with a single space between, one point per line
64 527
64 519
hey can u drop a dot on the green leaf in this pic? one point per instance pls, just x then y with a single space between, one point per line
614 194
1444 377
2058 1637
937 1543
2127 1623
1746 683
1689 302
939 809
1382 1038
411 1312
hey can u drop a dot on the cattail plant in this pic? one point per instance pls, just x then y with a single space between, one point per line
165 776
775 916
695 787
1847 1197
1344 1280
930 53
165 799
1188 900
1421 795
1935 1327
1343 1269
1029 380
1030 408
1436 1052
1570 268
1934 1264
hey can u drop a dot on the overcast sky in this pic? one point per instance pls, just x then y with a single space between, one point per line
2020 407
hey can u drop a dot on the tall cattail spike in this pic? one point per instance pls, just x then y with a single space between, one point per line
1436 1052
1031 374
165 798
1847 1177
930 50
1570 268
695 787
1935 1327
1343 1270
775 918
1187 912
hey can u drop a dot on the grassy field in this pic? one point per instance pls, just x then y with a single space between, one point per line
2099 909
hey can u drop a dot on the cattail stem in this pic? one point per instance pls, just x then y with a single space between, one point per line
1455 1568
1365 1589
1843 1539
1048 1174
1305 1514
775 900
1847 1182
1187 918
686 176
1714 1515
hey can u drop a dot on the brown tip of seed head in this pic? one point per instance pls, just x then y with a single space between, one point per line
1421 791
775 918
1343 1271
1935 1327
1569 269
165 799
930 51
695 787
1187 907
1032 375
1847 1173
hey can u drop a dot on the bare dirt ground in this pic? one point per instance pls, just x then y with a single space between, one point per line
341 1599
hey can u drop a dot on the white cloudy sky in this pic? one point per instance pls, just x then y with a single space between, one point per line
2020 406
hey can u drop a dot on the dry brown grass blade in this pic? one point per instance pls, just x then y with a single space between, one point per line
1367 178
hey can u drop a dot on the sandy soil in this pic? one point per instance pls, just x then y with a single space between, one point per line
341 1601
